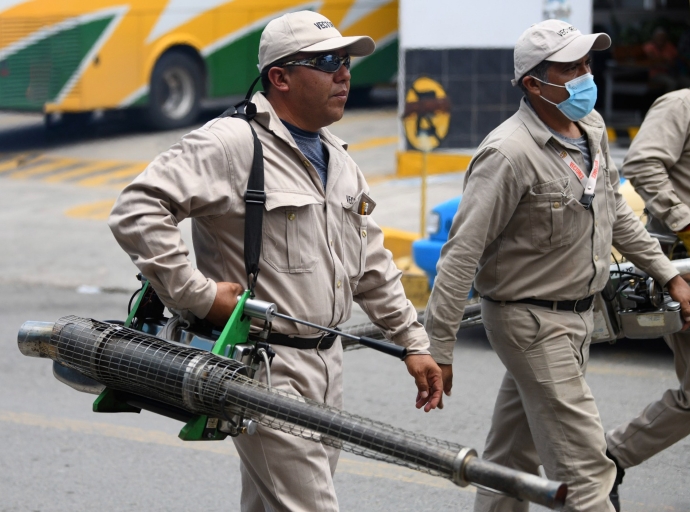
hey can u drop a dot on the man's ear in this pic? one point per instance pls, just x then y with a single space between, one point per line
279 78
532 85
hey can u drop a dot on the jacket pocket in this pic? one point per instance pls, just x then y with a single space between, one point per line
610 196
550 220
289 232
354 237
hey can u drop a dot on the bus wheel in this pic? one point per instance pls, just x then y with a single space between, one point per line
175 92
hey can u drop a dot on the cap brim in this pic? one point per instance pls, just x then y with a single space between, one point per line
356 46
580 47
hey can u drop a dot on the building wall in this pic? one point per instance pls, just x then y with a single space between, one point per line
467 46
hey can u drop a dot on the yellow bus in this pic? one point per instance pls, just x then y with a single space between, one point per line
162 56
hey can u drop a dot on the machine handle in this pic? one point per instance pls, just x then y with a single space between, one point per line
384 346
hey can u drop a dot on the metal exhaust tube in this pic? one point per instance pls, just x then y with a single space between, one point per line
202 383
683 266
515 483
383 442
34 338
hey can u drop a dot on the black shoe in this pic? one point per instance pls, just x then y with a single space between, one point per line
620 473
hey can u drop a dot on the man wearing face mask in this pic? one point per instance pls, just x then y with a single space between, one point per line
540 211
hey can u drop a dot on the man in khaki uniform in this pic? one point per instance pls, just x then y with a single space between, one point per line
658 166
321 248
539 213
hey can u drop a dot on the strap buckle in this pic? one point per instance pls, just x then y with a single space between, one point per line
586 201
255 196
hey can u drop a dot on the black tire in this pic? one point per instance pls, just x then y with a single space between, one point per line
174 92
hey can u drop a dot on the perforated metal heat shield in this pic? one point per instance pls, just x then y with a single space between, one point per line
202 383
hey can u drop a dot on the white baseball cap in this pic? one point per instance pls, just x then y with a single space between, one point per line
307 31
555 41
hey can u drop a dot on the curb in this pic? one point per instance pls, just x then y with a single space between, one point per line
409 163
414 281
627 133
399 242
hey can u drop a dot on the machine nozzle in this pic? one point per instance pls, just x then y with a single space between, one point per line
32 336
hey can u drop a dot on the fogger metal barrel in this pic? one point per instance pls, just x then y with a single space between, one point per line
202 383
682 266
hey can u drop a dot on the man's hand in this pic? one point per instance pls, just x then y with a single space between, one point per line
224 303
427 376
680 292
447 376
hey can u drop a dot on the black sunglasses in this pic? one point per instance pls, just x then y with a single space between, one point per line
327 62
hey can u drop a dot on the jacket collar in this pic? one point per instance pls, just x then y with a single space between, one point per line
266 116
591 124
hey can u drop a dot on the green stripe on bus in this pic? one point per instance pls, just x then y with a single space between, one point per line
379 68
36 74
232 68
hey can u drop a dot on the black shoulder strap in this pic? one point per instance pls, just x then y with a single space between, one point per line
254 197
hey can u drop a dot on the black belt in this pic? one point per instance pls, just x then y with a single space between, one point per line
322 343
576 306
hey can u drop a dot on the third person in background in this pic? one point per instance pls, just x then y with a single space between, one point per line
658 166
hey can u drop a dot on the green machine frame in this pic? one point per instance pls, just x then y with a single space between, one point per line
200 427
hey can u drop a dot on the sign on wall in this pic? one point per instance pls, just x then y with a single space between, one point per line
427 114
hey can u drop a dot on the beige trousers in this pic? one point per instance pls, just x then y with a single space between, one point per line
661 423
545 412
281 472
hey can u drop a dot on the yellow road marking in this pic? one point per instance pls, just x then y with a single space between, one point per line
57 169
13 163
373 143
375 180
50 164
93 211
104 179
369 469
89 168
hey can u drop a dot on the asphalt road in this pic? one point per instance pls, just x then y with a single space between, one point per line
57 257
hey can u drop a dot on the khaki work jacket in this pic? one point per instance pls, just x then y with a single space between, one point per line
521 228
658 162
318 253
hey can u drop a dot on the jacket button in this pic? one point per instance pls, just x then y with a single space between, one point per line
306 164
291 216
674 224
596 257
364 234
556 205
339 284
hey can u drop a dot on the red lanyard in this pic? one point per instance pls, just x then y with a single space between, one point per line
588 182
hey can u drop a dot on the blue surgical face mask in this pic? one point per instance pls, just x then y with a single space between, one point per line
583 96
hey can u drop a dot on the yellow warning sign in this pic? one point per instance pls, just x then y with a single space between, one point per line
427 114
